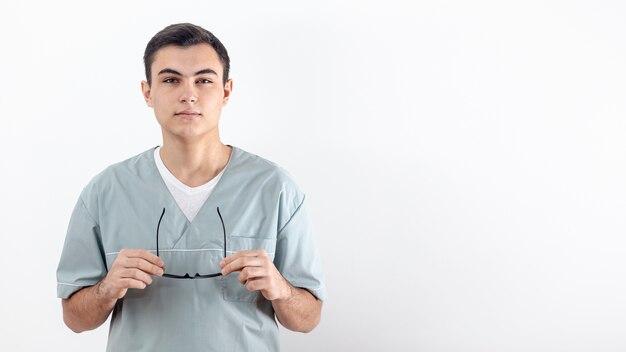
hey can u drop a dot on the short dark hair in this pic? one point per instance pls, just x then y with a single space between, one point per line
184 35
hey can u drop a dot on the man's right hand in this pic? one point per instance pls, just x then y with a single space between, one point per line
131 269
90 306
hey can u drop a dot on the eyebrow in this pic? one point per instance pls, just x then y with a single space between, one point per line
174 72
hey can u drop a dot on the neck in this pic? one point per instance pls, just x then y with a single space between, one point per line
196 162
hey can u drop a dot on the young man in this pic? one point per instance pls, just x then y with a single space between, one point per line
195 245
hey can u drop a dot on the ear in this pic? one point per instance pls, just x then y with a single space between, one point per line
228 89
145 90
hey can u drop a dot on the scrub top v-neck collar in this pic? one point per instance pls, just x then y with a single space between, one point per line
169 198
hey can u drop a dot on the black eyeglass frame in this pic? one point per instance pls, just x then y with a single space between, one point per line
197 275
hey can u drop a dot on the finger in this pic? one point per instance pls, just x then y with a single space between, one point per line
255 284
132 283
240 254
143 254
143 265
136 275
250 273
242 262
268 287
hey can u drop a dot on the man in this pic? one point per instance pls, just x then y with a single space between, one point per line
195 245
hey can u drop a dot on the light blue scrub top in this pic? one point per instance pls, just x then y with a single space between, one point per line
262 208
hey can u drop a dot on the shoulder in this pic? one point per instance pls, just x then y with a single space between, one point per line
123 172
267 172
270 179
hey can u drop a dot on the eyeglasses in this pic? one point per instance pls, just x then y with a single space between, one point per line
197 275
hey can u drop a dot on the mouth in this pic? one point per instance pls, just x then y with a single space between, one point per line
188 114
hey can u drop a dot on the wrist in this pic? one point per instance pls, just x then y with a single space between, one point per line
288 292
102 293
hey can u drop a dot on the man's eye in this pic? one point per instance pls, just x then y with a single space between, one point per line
170 80
205 81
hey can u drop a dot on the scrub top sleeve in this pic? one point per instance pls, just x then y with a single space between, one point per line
296 255
82 261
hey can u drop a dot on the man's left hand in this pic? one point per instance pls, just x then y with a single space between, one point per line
258 273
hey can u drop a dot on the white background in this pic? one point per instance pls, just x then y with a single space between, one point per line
464 160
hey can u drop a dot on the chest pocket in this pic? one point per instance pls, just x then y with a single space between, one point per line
232 289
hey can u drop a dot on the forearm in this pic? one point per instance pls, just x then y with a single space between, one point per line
87 309
301 311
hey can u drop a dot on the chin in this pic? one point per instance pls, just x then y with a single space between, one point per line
189 132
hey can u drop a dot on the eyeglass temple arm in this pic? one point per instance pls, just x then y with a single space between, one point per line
157 236
223 229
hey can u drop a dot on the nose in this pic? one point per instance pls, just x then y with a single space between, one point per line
189 94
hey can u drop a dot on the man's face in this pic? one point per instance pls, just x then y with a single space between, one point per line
187 93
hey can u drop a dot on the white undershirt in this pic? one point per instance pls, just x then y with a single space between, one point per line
189 199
